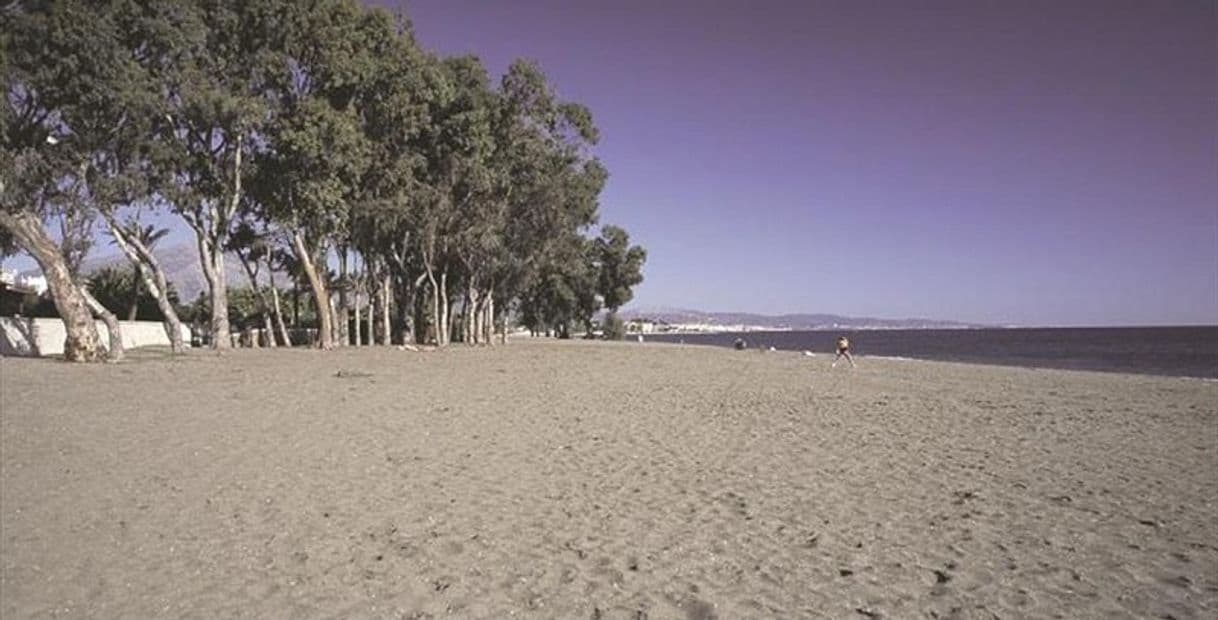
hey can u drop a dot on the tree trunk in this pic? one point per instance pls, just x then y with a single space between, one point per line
262 300
82 343
374 312
135 294
115 353
468 312
335 321
371 319
406 304
211 257
343 336
488 319
295 302
268 330
282 329
358 320
443 330
320 298
211 232
148 268
421 322
503 328
479 319
384 317
436 321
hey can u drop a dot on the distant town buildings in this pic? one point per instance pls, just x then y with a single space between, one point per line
655 326
36 283
642 326
17 293
13 280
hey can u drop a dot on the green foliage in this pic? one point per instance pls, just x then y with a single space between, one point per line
348 136
113 287
620 266
70 85
8 246
244 308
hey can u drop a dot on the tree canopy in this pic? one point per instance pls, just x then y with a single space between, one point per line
308 134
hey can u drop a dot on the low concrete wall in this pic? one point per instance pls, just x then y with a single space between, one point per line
25 337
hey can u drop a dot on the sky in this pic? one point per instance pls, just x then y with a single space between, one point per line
1001 162
1008 163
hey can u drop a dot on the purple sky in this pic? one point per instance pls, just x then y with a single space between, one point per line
1005 162
1033 163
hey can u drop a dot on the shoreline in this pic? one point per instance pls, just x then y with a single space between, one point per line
899 358
1181 351
573 479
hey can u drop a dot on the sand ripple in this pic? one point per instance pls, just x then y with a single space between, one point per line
576 480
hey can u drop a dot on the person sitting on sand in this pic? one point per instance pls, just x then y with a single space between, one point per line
843 350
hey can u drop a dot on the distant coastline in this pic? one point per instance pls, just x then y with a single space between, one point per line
681 329
686 321
1176 351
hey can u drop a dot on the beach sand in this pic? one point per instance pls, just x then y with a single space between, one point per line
601 480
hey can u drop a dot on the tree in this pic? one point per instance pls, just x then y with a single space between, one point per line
130 169
317 152
302 135
619 265
148 236
551 190
457 144
136 244
65 77
214 76
112 288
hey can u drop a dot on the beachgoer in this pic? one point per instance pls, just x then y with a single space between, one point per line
843 350
740 344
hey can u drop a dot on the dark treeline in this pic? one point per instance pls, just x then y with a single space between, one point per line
312 137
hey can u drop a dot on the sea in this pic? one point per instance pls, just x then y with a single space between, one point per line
1168 351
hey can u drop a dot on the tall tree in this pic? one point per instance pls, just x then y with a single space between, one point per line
620 266
548 187
215 79
453 216
147 236
65 75
317 151
255 249
395 106
136 241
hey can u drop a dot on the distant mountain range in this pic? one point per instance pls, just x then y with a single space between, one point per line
713 320
181 264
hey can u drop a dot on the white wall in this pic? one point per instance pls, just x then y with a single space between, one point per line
25 337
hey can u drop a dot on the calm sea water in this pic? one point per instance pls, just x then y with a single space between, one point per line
1171 351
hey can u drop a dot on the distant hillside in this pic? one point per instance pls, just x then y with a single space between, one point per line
181 264
685 316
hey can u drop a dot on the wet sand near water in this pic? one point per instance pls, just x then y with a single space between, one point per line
601 480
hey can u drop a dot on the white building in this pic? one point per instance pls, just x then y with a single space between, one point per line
641 326
37 283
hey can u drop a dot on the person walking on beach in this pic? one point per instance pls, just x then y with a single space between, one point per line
843 350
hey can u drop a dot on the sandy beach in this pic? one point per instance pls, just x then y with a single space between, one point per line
601 480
